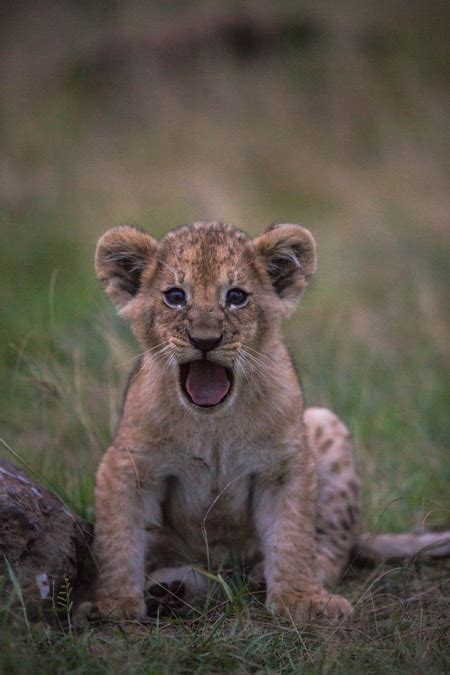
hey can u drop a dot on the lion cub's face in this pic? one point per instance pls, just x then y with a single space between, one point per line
205 299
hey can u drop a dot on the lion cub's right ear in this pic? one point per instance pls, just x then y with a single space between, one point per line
122 255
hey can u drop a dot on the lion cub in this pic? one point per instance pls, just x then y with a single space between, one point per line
214 454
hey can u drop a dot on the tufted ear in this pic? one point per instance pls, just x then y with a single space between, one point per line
122 255
289 255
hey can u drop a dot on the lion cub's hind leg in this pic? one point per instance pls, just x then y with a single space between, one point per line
174 588
338 502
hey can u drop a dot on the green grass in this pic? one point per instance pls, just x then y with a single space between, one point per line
351 142
399 626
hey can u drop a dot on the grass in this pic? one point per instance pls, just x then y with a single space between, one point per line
351 141
399 626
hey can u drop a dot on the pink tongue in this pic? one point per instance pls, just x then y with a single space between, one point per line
207 382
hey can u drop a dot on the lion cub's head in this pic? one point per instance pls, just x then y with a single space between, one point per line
206 299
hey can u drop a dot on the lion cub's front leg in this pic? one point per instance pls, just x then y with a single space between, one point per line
285 523
119 544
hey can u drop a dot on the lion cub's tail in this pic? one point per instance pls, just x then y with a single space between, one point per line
377 547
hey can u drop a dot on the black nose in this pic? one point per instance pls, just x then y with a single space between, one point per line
205 345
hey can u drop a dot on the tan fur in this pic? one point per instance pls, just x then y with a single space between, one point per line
254 478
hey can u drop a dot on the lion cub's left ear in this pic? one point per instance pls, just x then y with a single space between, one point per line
122 254
289 254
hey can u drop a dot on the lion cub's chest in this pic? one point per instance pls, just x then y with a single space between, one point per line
210 491
213 478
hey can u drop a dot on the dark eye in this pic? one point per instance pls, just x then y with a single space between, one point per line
175 297
237 297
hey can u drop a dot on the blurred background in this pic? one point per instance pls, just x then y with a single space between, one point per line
330 114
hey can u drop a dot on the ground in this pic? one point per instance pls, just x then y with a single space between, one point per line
400 625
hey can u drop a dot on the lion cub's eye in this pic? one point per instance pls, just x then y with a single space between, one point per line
236 297
175 297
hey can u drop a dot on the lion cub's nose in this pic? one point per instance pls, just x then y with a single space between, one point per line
205 345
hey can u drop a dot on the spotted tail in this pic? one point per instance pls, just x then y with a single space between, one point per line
376 547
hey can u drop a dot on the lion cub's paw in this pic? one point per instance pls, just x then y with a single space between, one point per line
121 609
304 608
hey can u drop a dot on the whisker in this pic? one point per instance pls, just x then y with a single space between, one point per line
259 368
260 354
137 374
179 343
229 347
252 383
238 271
167 359
256 368
171 248
240 368
169 267
135 358
258 363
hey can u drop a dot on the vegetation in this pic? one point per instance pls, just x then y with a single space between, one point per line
129 112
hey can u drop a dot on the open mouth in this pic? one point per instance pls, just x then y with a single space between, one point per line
205 383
